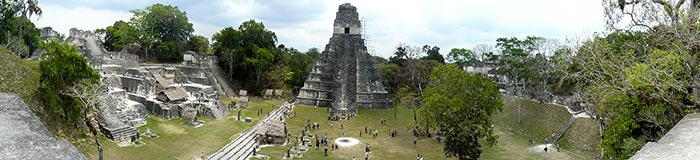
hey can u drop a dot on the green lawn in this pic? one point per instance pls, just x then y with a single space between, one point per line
540 121
384 146
178 141
537 122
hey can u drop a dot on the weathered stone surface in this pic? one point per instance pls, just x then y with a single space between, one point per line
23 136
681 142
344 78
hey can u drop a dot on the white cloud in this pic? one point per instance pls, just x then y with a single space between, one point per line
204 29
62 18
308 23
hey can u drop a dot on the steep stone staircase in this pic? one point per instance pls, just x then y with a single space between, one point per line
121 134
242 147
563 129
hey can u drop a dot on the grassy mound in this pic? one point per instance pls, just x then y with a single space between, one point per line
20 77
583 137
540 121
535 120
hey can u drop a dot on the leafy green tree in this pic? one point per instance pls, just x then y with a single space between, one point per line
637 88
518 61
199 44
402 54
389 72
20 35
61 68
670 23
462 57
9 9
247 53
433 53
461 104
111 36
163 30
314 53
300 64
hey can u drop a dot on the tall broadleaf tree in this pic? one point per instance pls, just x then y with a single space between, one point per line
163 30
461 104
247 53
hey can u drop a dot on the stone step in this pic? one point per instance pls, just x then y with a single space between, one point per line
563 129
241 147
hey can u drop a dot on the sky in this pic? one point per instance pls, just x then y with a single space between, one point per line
304 24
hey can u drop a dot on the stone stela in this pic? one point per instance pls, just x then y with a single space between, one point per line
345 78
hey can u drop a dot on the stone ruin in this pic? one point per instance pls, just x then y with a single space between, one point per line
165 91
23 136
345 78
135 90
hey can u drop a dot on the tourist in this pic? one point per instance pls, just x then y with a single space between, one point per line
353 158
341 125
529 140
545 148
325 151
360 133
254 151
331 125
418 157
366 155
415 141
318 144
366 131
557 146
376 133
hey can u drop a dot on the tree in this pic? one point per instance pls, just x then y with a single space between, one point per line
89 92
61 68
163 29
637 88
247 53
433 53
389 72
21 36
414 70
481 50
9 9
461 105
300 64
119 35
671 23
462 57
199 44
518 62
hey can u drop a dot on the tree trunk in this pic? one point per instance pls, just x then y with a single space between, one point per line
93 130
694 78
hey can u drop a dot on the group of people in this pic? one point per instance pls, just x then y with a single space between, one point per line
529 140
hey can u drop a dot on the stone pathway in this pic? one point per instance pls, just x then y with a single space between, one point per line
242 147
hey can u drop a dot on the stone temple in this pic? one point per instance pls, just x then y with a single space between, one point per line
345 78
